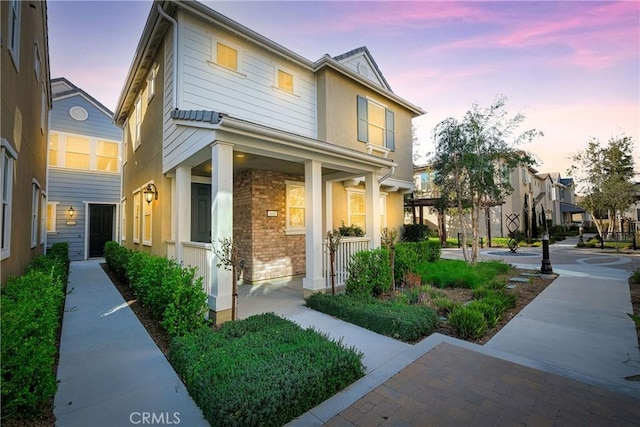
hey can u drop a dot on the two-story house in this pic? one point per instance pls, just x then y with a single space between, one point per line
84 174
229 135
25 102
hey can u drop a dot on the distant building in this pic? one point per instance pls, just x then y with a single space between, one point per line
25 102
84 172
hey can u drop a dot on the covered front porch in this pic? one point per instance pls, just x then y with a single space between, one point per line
274 195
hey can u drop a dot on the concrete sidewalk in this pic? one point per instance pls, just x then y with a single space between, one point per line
110 371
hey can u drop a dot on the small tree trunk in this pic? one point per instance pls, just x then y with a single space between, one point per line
332 261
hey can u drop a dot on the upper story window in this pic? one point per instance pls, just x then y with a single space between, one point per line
151 83
36 61
226 56
137 123
83 153
285 81
294 207
375 124
13 34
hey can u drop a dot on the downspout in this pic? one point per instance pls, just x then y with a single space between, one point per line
175 55
393 169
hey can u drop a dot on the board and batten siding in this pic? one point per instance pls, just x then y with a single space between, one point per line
97 125
248 94
74 188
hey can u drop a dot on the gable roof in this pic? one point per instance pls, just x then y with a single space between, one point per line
349 59
157 26
62 88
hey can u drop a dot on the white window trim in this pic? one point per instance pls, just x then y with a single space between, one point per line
288 229
213 60
147 210
138 122
13 45
123 219
54 217
93 152
37 62
35 211
43 217
151 82
7 151
371 148
125 143
137 217
276 69
357 191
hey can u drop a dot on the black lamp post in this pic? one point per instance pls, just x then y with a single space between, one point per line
546 262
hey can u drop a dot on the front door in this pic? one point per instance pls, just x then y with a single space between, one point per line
201 213
100 228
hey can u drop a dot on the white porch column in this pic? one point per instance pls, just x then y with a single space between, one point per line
372 197
182 209
221 227
313 280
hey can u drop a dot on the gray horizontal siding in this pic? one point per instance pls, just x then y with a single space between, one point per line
98 124
73 188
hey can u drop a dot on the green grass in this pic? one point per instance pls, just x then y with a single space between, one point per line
460 274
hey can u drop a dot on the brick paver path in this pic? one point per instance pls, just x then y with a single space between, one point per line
450 385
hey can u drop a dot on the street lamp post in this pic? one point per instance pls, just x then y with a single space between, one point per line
545 268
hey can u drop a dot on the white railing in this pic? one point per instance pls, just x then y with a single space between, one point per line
196 255
348 247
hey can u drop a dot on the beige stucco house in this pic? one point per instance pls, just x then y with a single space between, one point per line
231 135
25 103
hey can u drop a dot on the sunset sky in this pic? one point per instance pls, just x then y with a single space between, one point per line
572 67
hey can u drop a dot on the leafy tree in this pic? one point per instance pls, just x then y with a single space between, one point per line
473 157
604 175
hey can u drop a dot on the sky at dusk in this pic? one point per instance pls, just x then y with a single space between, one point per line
571 67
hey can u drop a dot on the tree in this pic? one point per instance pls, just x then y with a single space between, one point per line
473 157
604 175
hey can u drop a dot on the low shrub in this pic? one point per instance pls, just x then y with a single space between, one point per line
460 274
263 370
445 306
397 320
489 309
415 232
469 322
31 317
172 293
369 273
117 258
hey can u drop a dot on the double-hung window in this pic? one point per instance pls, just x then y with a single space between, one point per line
138 122
43 217
137 198
294 207
35 203
51 217
357 209
8 157
146 223
376 124
123 217
13 33
151 83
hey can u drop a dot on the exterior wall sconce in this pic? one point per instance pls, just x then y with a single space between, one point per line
71 211
150 192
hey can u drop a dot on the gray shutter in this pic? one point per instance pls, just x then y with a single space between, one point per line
363 125
390 130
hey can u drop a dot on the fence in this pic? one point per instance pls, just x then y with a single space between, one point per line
348 247
198 255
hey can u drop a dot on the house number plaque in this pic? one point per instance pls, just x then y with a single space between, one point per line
272 213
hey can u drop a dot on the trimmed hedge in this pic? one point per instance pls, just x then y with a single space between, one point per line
369 273
263 370
397 320
117 258
31 317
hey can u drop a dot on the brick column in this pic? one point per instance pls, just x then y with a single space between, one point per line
313 281
221 227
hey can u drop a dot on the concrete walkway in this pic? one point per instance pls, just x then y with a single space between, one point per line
110 372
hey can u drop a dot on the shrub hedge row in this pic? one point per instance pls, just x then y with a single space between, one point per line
172 293
394 319
263 370
32 307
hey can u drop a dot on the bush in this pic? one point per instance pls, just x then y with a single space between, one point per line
415 233
397 320
445 306
460 274
351 230
410 254
369 273
263 370
469 322
170 291
490 311
31 317
117 258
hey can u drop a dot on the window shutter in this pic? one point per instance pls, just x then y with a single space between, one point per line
363 133
389 126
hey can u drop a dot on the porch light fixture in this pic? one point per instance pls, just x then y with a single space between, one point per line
150 192
71 211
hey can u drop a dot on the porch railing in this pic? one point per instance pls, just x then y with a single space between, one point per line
348 247
198 255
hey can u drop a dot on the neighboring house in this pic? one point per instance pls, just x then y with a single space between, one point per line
84 172
25 102
228 134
